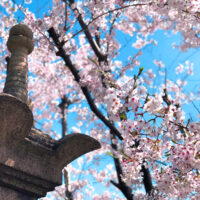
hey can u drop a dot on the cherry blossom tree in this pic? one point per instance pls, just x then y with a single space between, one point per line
76 59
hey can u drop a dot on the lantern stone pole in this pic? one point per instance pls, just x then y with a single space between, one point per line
30 161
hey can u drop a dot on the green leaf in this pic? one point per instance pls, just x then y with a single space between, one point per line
93 60
109 153
188 122
174 141
168 154
162 171
140 71
123 116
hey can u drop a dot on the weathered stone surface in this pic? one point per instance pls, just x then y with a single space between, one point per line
26 184
10 194
16 118
20 37
21 29
72 146
38 138
20 44
30 161
26 152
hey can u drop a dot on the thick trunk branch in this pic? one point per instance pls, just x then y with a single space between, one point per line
121 185
147 180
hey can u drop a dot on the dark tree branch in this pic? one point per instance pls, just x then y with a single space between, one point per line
66 18
115 184
101 57
146 174
121 185
165 97
61 52
97 17
70 1
92 43
147 180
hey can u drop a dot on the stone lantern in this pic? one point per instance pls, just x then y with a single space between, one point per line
30 161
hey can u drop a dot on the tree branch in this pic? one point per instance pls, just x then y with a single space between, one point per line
146 174
61 52
101 57
121 185
147 180
92 43
106 13
110 31
95 47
